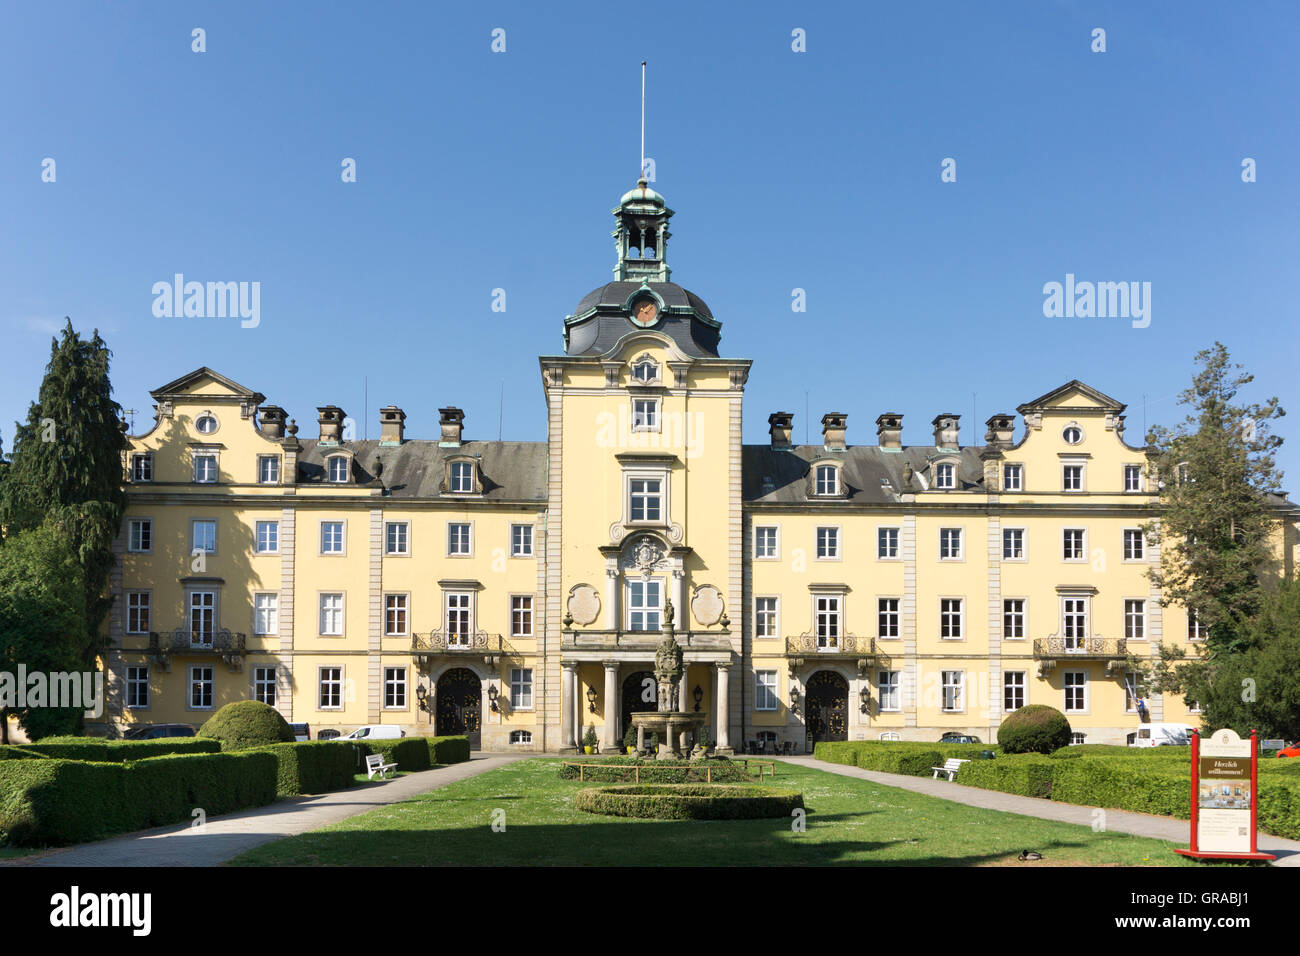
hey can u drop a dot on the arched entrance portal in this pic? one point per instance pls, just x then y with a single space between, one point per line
828 706
459 708
640 693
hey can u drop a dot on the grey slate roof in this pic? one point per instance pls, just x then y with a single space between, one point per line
512 470
863 468
615 294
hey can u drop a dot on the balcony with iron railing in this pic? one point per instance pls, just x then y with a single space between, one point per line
615 640
230 646
807 647
1055 648
434 644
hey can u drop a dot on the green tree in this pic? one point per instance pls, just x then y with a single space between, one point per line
66 466
1216 472
42 619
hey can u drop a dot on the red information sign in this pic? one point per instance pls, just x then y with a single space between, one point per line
1224 775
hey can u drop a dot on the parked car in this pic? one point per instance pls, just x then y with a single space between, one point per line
1163 735
1292 751
375 732
953 737
154 731
300 732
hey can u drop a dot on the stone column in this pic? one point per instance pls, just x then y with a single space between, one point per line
724 708
568 683
679 602
611 598
682 697
611 742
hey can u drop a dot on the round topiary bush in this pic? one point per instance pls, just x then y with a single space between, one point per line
1036 729
689 802
247 723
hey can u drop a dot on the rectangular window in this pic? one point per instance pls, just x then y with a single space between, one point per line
264 685
458 538
203 537
462 477
138 612
645 414
137 687
268 537
828 480
945 476
1074 623
521 688
203 617
950 618
765 617
142 467
765 690
395 688
458 619
950 544
887 687
1072 544
1135 620
201 688
1132 477
1196 631
1013 477
521 615
331 614
331 537
268 469
338 469
646 499
521 541
644 605
397 537
1013 690
887 543
953 682
827 613
1013 618
765 543
828 543
331 688
1013 544
1072 477
887 616
205 469
140 535
395 607
266 613
1134 545
1076 692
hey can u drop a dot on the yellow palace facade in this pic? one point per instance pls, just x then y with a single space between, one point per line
515 591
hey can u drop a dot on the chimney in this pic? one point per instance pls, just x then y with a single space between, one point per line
331 424
833 425
452 421
946 433
889 430
1002 430
392 425
779 426
272 419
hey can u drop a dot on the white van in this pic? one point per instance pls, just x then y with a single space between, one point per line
375 732
1162 735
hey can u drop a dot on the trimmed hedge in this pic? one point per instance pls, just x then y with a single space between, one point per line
16 752
247 723
54 802
99 750
1035 728
409 753
628 769
1118 750
1029 775
445 750
689 802
312 766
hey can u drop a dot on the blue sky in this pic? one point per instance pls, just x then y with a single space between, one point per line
817 170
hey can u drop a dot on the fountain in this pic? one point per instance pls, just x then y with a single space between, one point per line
666 719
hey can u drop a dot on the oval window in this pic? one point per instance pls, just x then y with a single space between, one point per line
206 424
1072 435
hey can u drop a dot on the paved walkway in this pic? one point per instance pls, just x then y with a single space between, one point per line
1121 821
231 834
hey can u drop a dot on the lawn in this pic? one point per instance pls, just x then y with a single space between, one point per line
849 821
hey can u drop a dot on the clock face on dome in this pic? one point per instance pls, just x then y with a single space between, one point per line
645 312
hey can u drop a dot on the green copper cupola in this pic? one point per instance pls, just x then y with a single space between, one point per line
641 235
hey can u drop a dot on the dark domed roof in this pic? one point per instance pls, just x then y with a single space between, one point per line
615 295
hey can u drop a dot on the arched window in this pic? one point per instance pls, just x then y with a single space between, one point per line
338 468
828 480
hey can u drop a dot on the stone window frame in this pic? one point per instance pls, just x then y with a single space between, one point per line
648 472
1024 544
960 684
898 614
524 682
1023 688
532 539
813 480
216 536
1083 545
1141 478
343 613
128 681
643 359
216 423
961 544
398 554
1141 542
458 591
405 611
460 554
1074 594
253 614
1024 617
273 684
1065 691
841 594
141 458
1082 465
532 614
945 463
1020 487
257 535
776 551
279 469
1065 429
338 459
838 539
145 523
663 581
656 406
205 451
211 683
776 617
896 686
338 683
961 616
386 682
206 587
1144 620
760 688
475 476
126 610
898 542
521 738
320 538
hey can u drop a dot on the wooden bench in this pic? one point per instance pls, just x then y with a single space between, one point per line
375 765
950 767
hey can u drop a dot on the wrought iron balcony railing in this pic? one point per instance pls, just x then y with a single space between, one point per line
842 645
230 646
440 642
1098 648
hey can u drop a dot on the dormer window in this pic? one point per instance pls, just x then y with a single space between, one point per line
945 475
338 469
206 424
828 480
645 371
462 477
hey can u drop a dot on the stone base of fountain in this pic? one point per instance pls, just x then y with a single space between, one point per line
669 725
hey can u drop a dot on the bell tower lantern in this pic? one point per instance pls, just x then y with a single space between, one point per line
641 235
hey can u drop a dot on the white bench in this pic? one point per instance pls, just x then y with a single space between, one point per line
950 767
375 765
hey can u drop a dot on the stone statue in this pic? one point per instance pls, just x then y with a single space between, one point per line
668 665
